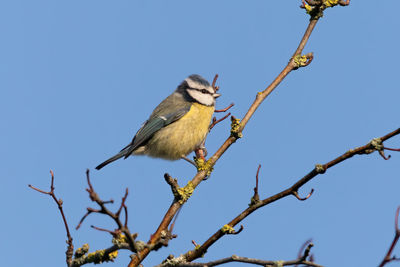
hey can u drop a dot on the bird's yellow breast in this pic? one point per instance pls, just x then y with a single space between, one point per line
182 136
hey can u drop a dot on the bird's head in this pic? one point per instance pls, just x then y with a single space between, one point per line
199 89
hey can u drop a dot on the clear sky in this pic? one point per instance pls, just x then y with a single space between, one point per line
78 78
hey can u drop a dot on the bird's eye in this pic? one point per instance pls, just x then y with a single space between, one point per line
204 91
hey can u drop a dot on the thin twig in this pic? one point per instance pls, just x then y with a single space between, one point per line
302 248
215 121
214 82
237 232
382 154
388 257
113 233
122 203
256 188
296 194
392 149
70 248
307 252
89 210
256 197
122 227
224 109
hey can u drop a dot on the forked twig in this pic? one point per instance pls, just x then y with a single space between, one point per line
70 248
122 227
215 121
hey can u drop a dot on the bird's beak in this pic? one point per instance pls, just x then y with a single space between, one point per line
215 95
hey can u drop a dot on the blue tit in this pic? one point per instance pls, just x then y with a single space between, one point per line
177 126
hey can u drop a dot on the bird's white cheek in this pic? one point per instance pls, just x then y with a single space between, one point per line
204 99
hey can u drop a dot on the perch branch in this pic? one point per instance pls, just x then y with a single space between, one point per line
201 175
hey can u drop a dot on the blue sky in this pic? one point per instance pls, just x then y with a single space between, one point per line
78 78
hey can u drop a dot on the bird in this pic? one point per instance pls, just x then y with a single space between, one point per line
177 126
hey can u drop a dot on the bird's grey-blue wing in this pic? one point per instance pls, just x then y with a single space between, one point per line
151 126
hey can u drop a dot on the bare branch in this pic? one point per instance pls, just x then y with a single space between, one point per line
256 198
122 203
194 243
214 82
319 169
389 258
238 231
70 248
304 253
173 183
235 258
302 260
303 250
99 256
115 216
215 121
113 233
224 109
296 194
392 149
382 154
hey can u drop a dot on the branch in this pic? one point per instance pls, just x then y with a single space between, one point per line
82 255
201 175
215 121
302 259
235 258
216 88
388 258
319 169
70 248
122 227
224 109
306 247
256 197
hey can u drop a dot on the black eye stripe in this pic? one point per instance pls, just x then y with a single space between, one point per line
204 91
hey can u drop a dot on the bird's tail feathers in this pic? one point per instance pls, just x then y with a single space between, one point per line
112 159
